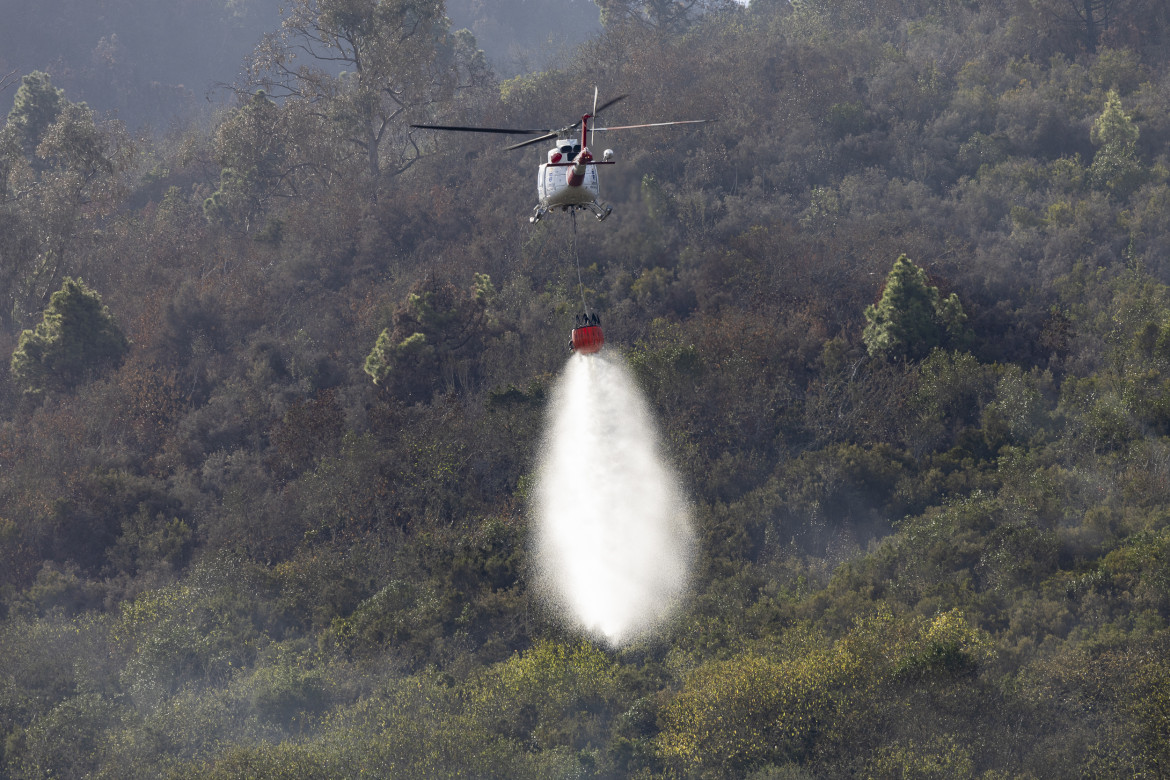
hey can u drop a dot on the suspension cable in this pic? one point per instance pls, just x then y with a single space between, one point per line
577 258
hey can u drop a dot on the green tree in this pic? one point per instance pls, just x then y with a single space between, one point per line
388 351
911 319
251 149
59 170
36 106
76 338
734 715
202 628
437 335
68 740
1115 166
552 695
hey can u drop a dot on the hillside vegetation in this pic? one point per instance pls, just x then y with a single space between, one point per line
902 312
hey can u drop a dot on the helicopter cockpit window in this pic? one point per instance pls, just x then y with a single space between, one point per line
566 149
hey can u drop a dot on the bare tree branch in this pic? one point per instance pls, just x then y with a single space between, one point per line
362 72
8 80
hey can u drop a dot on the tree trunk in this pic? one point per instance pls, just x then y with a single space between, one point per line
1091 31
373 162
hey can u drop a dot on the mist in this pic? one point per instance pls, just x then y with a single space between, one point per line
612 529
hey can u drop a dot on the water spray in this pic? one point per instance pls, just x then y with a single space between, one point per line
611 523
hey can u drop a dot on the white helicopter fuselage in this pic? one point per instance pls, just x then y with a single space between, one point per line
553 187
569 180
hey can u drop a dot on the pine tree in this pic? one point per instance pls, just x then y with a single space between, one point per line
76 339
910 319
36 106
1116 164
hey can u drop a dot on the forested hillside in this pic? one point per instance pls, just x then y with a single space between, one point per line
902 312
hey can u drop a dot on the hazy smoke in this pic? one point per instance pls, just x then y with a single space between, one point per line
612 531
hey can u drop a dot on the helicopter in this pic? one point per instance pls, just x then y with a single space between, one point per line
568 180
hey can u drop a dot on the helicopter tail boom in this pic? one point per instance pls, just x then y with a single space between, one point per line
576 175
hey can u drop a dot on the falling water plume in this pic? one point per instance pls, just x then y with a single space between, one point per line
611 525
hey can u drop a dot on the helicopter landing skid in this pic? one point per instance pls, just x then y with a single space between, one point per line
598 210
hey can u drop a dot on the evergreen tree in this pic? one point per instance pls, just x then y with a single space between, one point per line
251 151
1115 165
910 319
36 106
76 338
438 331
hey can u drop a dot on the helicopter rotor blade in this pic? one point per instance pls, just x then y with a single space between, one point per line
462 129
543 134
536 140
657 124
598 109
594 113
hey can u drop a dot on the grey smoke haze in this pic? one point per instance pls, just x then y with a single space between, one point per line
151 61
